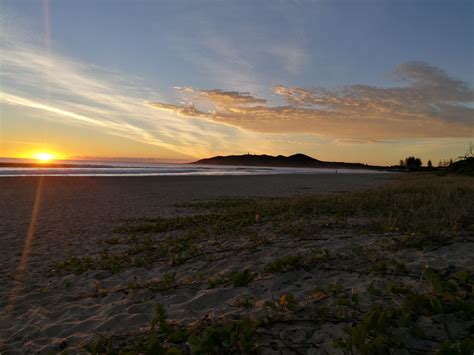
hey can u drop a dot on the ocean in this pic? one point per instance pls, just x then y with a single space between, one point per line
114 168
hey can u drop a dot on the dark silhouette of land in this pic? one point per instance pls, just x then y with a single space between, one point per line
464 166
297 160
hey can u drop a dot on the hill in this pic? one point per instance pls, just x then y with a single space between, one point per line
464 166
297 160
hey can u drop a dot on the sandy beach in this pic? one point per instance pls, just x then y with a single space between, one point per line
101 255
75 210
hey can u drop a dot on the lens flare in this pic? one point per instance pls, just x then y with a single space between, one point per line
21 270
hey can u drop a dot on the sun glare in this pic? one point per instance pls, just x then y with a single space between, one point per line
44 157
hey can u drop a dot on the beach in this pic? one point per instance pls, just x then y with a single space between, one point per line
74 208
236 177
91 258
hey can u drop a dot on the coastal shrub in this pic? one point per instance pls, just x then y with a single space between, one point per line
160 319
241 278
75 265
319 256
167 282
168 338
288 301
178 249
370 335
234 337
441 294
464 347
102 345
215 281
284 264
245 302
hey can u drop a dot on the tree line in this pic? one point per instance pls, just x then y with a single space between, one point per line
415 164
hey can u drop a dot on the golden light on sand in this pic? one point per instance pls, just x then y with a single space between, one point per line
43 157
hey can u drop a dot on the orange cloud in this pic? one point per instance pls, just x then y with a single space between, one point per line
222 98
429 104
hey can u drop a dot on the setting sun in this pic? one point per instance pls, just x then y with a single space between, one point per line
44 156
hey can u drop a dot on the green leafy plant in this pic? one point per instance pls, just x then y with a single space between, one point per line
284 264
241 278
234 337
370 335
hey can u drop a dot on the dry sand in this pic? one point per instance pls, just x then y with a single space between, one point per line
76 211
63 311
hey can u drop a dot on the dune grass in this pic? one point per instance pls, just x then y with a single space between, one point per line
417 204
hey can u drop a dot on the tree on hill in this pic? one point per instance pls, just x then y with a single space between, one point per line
430 164
413 163
469 152
445 163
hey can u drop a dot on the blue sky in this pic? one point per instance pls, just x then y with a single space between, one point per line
339 55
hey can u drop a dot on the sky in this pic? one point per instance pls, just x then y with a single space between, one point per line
370 81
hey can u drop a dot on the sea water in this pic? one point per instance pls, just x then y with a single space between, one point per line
101 168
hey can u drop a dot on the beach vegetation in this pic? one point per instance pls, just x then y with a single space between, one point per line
395 301
284 264
245 301
75 265
319 256
288 301
167 282
285 303
464 347
233 337
424 211
171 338
411 205
401 308
241 278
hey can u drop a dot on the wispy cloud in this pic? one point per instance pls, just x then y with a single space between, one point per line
428 104
291 56
221 98
71 92
240 59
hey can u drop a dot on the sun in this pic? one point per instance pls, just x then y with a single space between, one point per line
44 157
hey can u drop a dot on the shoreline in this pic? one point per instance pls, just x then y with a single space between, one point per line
180 170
